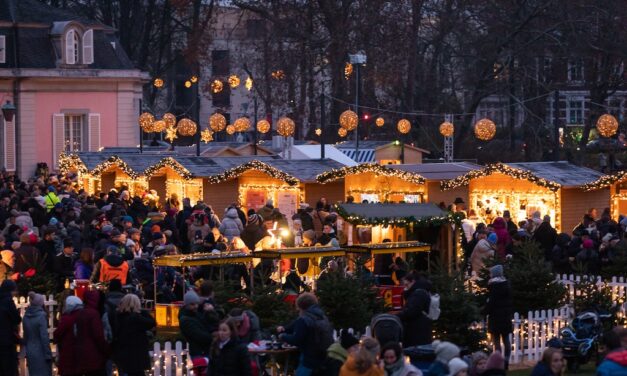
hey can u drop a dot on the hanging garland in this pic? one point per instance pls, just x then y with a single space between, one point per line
501 168
114 161
171 163
605 181
253 165
357 220
68 161
340 173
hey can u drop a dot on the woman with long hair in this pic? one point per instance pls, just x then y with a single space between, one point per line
364 361
394 361
130 341
552 363
229 356
84 266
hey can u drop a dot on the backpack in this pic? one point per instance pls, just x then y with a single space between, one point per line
434 307
322 334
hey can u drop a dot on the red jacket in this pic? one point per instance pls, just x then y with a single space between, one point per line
80 336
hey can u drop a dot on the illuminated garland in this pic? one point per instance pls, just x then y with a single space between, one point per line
253 165
270 189
68 161
171 163
605 181
357 220
340 173
114 161
501 168
386 194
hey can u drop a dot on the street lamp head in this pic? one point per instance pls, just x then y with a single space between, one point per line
357 58
8 111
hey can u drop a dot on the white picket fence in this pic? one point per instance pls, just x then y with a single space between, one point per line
171 360
51 306
617 285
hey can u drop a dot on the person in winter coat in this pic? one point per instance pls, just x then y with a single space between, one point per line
311 332
545 235
338 353
482 251
66 339
84 266
444 352
246 324
253 232
36 341
479 360
589 257
560 254
231 226
457 367
615 362
496 365
503 238
130 341
500 310
112 266
9 321
551 364
364 361
394 361
194 325
417 326
93 348
266 211
229 356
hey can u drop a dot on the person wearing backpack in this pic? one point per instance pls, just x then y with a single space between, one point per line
311 332
414 315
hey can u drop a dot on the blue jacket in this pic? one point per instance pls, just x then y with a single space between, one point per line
614 364
300 334
541 369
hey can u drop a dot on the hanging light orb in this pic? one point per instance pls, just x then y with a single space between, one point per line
159 126
379 122
349 120
242 124
403 126
188 84
146 119
485 129
318 131
216 86
607 125
217 122
342 132
233 81
206 136
193 79
248 83
230 129
278 74
186 127
447 129
158 82
263 126
285 126
170 119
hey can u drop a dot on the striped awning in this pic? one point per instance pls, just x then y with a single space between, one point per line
363 155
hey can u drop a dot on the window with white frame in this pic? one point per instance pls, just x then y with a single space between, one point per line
79 48
73 132
575 70
574 111
549 111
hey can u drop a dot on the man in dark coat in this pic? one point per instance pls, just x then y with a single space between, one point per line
545 235
9 321
416 325
195 326
499 309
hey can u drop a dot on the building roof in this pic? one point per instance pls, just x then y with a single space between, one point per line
438 171
367 149
36 47
551 175
313 152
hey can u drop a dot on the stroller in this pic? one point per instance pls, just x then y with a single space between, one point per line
581 339
386 328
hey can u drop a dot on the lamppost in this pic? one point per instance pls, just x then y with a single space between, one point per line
8 111
357 60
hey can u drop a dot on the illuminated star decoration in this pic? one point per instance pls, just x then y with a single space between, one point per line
170 134
206 135
249 83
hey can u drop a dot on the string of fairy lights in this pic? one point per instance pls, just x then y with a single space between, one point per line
501 168
386 221
377 169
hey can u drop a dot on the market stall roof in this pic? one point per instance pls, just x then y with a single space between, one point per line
198 259
394 214
388 170
606 180
438 171
367 148
387 248
313 152
299 252
551 175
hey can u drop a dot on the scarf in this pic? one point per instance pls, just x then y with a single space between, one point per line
244 327
395 368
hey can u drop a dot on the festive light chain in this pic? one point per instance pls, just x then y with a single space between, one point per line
605 181
357 220
387 194
171 163
339 173
253 165
114 161
515 173
68 161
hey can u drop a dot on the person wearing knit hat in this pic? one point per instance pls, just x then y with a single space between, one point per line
191 298
478 360
496 365
338 352
193 324
444 352
493 238
457 367
37 346
499 309
72 303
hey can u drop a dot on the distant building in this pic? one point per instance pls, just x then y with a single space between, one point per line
382 152
73 86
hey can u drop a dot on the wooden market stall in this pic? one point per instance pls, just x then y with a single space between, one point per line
551 188
617 185
375 183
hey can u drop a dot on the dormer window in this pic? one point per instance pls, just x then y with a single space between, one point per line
79 49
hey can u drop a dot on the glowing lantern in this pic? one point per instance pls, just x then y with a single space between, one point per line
380 122
285 126
607 125
403 126
342 132
447 129
349 120
186 127
217 122
263 126
145 121
242 124
485 129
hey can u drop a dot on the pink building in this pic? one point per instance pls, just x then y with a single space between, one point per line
73 86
